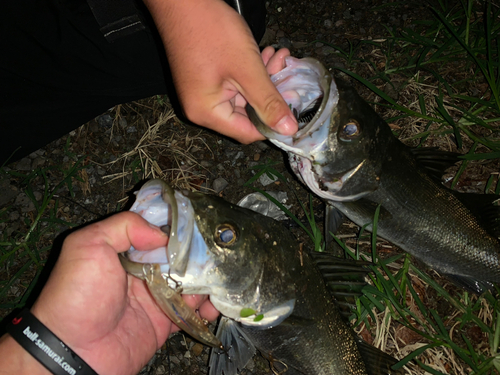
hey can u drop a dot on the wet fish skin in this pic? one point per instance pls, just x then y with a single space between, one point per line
353 161
242 259
314 339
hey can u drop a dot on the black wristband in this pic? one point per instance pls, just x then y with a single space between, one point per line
46 347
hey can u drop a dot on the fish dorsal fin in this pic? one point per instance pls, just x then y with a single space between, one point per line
435 161
238 349
344 278
486 207
376 361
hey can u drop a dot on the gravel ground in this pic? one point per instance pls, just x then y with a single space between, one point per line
191 156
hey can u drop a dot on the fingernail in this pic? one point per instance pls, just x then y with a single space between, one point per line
286 126
162 230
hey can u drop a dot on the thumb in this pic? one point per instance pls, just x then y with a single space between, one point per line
259 91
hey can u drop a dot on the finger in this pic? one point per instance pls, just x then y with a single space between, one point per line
234 123
256 87
276 62
267 53
120 232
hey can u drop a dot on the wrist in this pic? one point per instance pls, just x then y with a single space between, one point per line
43 346
14 359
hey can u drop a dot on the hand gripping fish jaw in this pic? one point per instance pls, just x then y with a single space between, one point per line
175 256
171 301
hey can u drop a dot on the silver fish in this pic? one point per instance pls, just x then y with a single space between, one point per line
270 292
347 155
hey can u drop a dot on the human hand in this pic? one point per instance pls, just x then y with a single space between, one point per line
106 316
217 68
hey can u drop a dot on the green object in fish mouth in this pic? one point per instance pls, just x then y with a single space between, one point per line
348 156
272 296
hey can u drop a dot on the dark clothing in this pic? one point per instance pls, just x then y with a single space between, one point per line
58 71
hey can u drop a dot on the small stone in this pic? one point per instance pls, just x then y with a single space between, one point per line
328 24
38 162
24 164
105 120
131 129
256 157
123 122
197 349
298 45
8 192
285 42
187 354
14 215
174 360
239 155
219 184
327 50
160 370
261 145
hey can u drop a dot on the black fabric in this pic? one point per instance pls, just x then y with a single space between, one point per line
116 18
58 71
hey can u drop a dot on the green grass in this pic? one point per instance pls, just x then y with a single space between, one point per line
23 253
458 50
395 296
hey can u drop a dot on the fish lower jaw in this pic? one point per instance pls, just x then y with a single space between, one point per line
303 169
266 320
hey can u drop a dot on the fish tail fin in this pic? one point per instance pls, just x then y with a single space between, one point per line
238 349
376 361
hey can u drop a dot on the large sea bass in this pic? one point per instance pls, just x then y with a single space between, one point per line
346 154
270 293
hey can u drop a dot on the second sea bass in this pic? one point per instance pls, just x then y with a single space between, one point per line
346 154
270 293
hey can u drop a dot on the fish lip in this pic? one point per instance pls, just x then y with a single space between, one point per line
180 217
272 317
330 97
312 179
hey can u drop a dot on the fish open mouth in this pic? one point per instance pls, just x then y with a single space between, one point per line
325 187
311 93
170 210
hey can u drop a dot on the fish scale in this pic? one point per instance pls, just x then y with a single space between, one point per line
348 156
245 262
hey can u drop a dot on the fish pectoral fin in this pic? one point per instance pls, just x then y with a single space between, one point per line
333 220
435 161
376 361
344 278
239 349
471 285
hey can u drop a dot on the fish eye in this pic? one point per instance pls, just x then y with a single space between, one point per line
350 130
225 235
